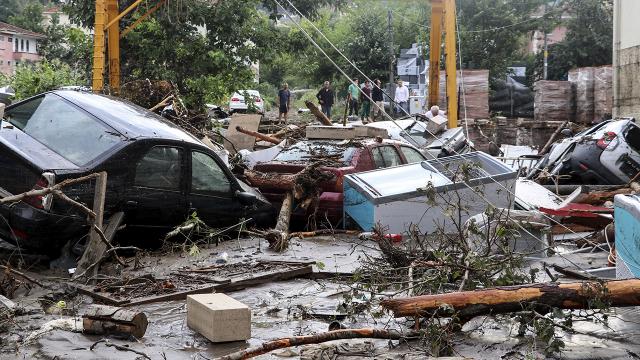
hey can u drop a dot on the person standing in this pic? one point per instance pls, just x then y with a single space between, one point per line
402 99
325 98
284 102
365 100
376 96
354 91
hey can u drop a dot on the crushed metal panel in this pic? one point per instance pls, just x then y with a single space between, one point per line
241 141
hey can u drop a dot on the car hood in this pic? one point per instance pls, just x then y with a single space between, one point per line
31 150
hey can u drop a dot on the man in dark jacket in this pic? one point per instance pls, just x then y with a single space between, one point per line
376 96
325 98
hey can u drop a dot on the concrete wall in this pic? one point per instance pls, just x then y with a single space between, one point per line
626 58
6 54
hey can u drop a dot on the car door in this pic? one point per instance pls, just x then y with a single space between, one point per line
385 156
212 191
157 197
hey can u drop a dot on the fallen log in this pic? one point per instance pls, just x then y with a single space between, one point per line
319 114
552 139
278 238
258 135
111 320
539 297
313 339
306 234
274 181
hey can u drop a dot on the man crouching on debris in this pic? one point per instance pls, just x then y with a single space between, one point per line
434 111
284 100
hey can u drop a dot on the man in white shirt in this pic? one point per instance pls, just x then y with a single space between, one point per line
402 99
435 111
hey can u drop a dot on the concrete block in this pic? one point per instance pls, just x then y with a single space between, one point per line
219 317
369 131
330 132
437 124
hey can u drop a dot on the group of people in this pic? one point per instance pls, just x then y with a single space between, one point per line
359 99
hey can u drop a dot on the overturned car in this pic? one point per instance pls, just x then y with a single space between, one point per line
158 174
607 153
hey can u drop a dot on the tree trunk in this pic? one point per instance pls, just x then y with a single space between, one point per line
319 114
278 238
313 339
600 197
111 320
541 297
552 139
274 181
258 135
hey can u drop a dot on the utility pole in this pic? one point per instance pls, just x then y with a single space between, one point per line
391 53
546 49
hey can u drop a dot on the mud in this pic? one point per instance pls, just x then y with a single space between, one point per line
289 308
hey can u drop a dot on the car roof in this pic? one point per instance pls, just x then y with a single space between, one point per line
127 118
251 92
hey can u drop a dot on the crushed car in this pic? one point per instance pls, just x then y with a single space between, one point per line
344 157
605 154
414 130
158 174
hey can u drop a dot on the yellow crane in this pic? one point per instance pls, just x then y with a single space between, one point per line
443 12
107 36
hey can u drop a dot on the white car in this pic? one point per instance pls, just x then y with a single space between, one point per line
238 103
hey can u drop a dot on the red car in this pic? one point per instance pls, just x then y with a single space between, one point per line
350 156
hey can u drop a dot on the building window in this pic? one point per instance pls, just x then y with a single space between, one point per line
22 45
27 45
8 62
1 38
15 47
10 39
1 62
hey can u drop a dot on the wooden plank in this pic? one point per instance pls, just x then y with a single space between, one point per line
95 247
241 141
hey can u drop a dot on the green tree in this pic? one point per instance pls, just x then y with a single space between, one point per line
29 18
588 42
9 8
32 79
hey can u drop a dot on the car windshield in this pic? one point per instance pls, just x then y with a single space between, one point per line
416 134
308 150
64 128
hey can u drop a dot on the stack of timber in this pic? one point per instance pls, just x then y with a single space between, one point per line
553 101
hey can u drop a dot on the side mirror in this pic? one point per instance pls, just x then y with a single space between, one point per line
246 198
566 132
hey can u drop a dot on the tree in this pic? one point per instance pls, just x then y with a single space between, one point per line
589 39
492 33
29 18
31 79
9 8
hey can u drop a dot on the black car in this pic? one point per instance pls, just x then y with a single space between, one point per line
158 174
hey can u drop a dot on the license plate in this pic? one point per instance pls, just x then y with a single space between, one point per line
629 166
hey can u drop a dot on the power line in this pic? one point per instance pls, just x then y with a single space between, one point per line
481 195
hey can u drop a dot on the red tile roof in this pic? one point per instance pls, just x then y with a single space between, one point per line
12 29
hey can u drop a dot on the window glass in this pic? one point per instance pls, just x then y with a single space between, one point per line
390 156
633 137
206 175
63 128
160 168
412 155
377 158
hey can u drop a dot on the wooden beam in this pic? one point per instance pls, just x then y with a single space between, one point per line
95 248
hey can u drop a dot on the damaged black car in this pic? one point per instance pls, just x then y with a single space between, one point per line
158 174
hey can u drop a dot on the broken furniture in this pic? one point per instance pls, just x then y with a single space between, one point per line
219 317
422 194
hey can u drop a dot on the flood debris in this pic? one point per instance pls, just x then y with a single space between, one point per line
114 321
535 297
315 339
218 317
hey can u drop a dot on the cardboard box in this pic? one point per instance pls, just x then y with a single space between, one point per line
219 317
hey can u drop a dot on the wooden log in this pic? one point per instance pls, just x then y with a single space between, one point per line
278 238
552 139
313 339
540 297
95 248
285 182
600 197
319 114
258 135
111 320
